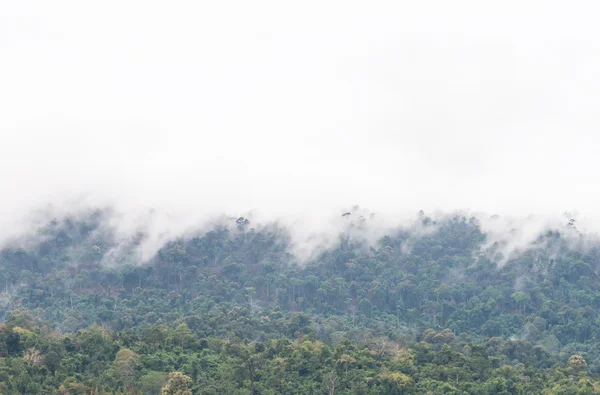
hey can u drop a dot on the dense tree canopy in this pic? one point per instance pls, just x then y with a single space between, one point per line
429 309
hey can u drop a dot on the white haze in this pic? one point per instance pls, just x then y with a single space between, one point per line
297 111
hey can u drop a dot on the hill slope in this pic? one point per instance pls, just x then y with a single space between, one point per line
434 308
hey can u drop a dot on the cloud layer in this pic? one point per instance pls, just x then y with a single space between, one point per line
298 110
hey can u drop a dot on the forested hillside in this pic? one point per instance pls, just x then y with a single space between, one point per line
429 309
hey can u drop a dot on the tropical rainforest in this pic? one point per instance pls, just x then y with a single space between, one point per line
435 308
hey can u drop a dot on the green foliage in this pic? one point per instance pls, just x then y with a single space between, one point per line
178 384
433 310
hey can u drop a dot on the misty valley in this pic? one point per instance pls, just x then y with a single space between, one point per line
431 308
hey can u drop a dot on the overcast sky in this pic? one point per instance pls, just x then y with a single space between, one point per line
292 106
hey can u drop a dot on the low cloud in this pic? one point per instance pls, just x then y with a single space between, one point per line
176 115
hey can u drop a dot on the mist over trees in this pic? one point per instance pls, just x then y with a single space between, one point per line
433 308
168 173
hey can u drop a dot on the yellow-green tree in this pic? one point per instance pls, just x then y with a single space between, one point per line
125 366
178 384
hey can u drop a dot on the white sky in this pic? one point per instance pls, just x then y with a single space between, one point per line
292 106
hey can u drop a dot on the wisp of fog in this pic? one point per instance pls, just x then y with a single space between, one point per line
177 114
